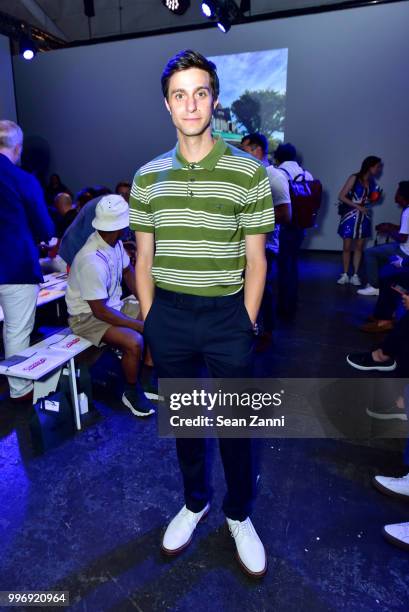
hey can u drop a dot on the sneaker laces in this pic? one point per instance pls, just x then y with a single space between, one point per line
240 527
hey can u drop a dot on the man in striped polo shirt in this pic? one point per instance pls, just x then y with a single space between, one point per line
201 213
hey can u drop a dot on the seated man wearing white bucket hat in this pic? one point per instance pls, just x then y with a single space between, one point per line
94 291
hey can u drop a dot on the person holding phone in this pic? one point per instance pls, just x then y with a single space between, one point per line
395 251
399 289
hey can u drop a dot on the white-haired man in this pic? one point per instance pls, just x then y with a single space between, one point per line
24 223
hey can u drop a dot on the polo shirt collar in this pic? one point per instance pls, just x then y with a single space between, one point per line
208 163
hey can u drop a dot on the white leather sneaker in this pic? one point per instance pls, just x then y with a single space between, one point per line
355 280
179 532
250 550
343 279
397 534
397 487
369 290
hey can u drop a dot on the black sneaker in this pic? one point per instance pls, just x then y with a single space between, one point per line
148 380
364 361
138 404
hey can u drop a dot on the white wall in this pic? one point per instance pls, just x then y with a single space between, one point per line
100 107
7 101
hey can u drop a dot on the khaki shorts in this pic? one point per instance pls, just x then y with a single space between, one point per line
93 329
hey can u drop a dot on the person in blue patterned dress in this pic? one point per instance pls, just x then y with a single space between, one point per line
355 199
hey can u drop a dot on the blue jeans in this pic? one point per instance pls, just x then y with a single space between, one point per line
376 257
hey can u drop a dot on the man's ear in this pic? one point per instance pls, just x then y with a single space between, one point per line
215 103
18 150
167 106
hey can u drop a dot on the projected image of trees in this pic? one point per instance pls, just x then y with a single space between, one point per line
253 95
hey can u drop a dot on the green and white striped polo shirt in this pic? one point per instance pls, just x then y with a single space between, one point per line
200 214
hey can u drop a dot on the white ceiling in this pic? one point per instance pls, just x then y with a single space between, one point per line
65 18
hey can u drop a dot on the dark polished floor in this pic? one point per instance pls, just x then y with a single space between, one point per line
85 512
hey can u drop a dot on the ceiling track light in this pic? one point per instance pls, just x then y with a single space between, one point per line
178 7
16 29
209 8
223 24
27 47
224 12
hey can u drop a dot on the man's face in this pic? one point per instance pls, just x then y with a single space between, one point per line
252 149
190 101
400 200
112 237
124 191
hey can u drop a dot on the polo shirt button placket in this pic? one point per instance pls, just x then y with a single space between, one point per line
191 180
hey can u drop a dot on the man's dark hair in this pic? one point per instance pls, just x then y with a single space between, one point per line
285 152
122 184
84 195
404 190
257 139
101 190
189 59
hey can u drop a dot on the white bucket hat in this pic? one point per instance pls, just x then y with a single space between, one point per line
111 213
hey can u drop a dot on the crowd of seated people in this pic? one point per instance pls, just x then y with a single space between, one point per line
73 225
95 244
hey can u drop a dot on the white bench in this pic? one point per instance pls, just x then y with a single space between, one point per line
43 363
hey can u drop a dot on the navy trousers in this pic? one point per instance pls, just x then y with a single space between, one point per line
289 246
183 332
